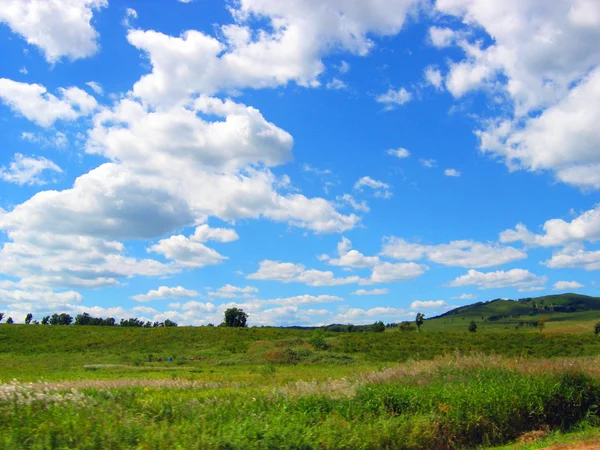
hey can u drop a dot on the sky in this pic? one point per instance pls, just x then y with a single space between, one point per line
309 161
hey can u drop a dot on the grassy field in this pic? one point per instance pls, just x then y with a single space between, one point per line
95 387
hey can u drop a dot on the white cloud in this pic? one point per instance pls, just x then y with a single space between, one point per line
96 87
205 233
574 257
563 139
58 27
344 67
566 285
428 304
465 297
441 37
468 254
394 97
361 206
35 103
558 232
399 152
187 252
297 273
27 170
352 258
521 279
336 84
310 169
360 316
296 35
391 273
433 77
452 173
165 292
429 163
362 292
56 139
229 291
380 188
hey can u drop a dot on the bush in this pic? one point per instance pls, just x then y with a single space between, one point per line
472 326
317 340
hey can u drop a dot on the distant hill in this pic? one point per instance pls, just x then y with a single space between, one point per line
503 309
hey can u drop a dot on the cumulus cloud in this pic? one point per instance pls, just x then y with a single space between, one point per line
398 152
465 297
380 188
229 291
35 103
558 232
433 77
566 285
352 258
165 292
521 279
441 37
289 48
58 27
27 170
428 304
468 254
362 292
96 87
452 173
574 256
394 97
348 199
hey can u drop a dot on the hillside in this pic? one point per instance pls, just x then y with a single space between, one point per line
568 309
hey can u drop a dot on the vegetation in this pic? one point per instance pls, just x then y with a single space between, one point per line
419 320
9 320
235 317
472 326
144 386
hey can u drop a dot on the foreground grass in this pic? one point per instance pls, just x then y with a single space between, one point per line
457 402
94 388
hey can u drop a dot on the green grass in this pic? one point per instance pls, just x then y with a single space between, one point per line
268 388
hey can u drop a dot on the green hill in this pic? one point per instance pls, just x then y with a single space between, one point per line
501 313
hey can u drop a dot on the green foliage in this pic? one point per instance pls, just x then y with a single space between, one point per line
235 318
406 326
86 319
28 318
472 326
1 316
61 319
379 327
597 328
419 320
317 340
541 323
10 320
46 320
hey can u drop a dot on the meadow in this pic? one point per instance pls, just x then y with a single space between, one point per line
112 387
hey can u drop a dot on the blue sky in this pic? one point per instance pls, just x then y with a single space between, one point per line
308 161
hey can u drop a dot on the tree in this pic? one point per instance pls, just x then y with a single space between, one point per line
235 317
9 320
45 320
597 329
541 323
419 320
170 323
472 326
379 327
1 316
28 318
317 340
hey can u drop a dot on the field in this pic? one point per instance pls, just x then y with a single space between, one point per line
95 387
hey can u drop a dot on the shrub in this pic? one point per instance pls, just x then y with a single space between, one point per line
472 326
317 340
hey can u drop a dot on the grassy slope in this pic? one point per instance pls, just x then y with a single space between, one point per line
571 313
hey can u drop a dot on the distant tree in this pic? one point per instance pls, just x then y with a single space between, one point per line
541 323
235 317
406 326
45 320
597 329
9 320
419 320
472 326
28 318
378 327
1 316
132 322
170 323
317 340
